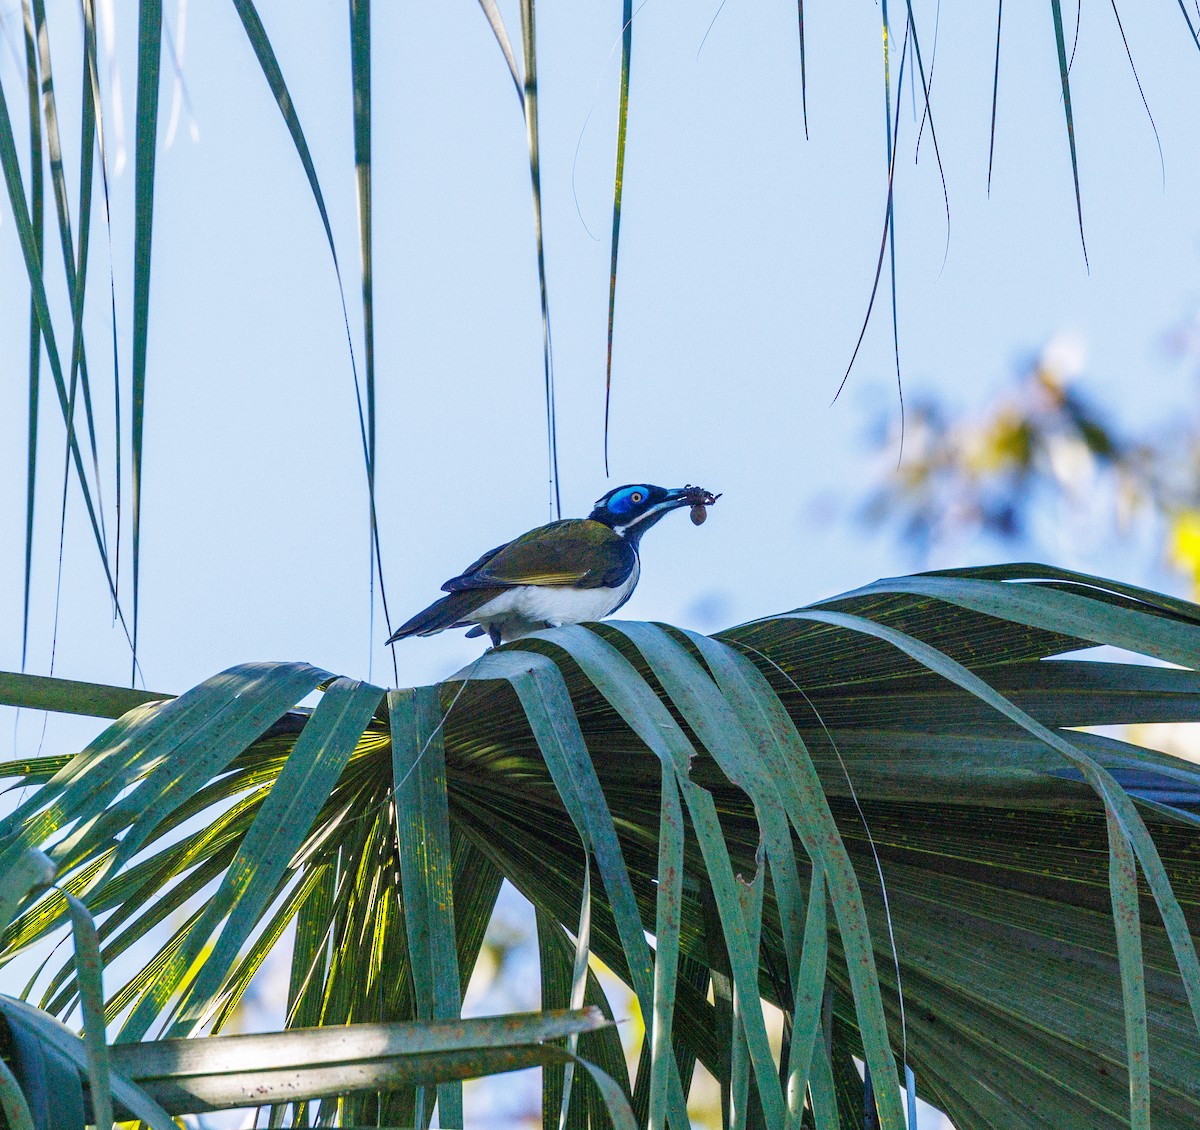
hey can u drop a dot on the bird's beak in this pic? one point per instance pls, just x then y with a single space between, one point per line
691 496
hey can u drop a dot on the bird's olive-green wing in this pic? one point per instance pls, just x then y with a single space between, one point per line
575 552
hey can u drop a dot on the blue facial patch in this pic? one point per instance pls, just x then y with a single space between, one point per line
626 500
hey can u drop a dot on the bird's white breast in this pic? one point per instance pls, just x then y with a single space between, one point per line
525 608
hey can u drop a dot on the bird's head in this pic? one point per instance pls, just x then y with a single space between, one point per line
632 510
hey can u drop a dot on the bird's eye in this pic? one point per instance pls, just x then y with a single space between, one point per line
637 496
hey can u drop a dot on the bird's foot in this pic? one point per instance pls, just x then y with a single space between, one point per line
494 634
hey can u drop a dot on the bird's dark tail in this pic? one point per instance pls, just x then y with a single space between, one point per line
442 614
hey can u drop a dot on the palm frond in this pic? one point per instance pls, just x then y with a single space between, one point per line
1014 902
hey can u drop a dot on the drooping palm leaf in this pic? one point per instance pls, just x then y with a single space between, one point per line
618 192
76 273
1064 77
29 234
723 791
36 208
360 56
149 60
529 100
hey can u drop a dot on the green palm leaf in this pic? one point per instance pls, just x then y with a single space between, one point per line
1030 956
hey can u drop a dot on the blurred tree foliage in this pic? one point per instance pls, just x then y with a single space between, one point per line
1043 447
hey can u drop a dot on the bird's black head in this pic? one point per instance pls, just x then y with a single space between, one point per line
632 510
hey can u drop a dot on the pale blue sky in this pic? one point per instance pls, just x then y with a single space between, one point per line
746 261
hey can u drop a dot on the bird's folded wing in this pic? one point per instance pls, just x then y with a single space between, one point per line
575 552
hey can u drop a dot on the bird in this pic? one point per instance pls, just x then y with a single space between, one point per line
569 571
